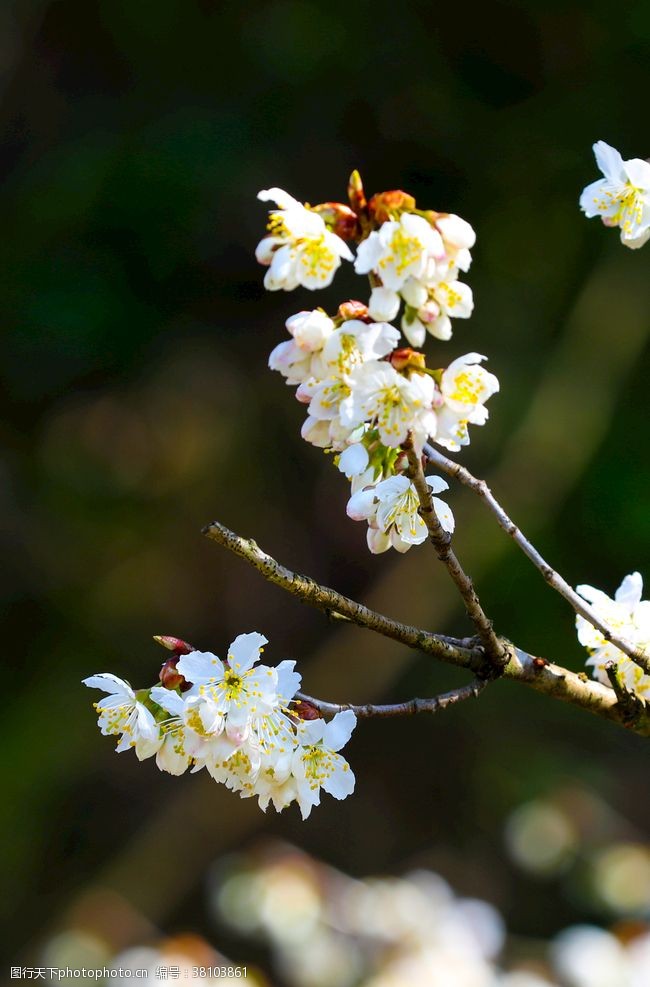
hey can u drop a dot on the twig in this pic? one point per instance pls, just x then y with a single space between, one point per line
552 577
537 673
495 651
457 651
409 708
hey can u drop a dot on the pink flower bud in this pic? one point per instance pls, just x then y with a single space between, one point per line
174 644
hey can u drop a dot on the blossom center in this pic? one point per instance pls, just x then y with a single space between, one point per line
405 250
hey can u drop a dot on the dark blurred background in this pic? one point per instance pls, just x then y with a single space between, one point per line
137 406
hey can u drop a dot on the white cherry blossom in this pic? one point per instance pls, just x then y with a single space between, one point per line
300 250
443 301
394 403
400 249
238 690
120 712
622 197
391 509
629 616
316 763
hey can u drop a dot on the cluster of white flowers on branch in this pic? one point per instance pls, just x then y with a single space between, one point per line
630 616
236 718
380 411
365 394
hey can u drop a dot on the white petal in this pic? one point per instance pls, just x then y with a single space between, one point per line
361 505
383 305
609 161
631 590
414 331
200 666
279 196
354 460
437 484
245 650
339 730
638 171
168 699
109 683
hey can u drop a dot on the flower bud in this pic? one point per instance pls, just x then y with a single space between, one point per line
353 310
174 644
340 219
384 205
356 195
171 678
304 710
406 357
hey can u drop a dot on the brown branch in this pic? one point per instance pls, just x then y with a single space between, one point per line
537 673
408 708
495 651
454 650
553 578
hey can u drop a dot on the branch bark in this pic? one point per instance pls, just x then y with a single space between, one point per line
409 708
496 652
536 673
553 578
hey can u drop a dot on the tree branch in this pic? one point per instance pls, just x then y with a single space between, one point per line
552 577
409 708
495 651
537 673
454 650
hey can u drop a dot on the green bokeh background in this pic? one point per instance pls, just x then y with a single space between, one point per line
137 406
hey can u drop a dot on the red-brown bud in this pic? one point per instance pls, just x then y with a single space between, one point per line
406 357
384 205
174 644
340 219
171 678
353 310
304 710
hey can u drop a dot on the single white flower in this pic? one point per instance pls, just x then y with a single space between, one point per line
316 763
120 712
356 342
299 250
442 301
400 249
465 385
238 689
311 330
629 616
393 403
392 511
622 197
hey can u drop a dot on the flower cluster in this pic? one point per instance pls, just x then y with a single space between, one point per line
237 719
622 197
367 395
417 260
629 616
